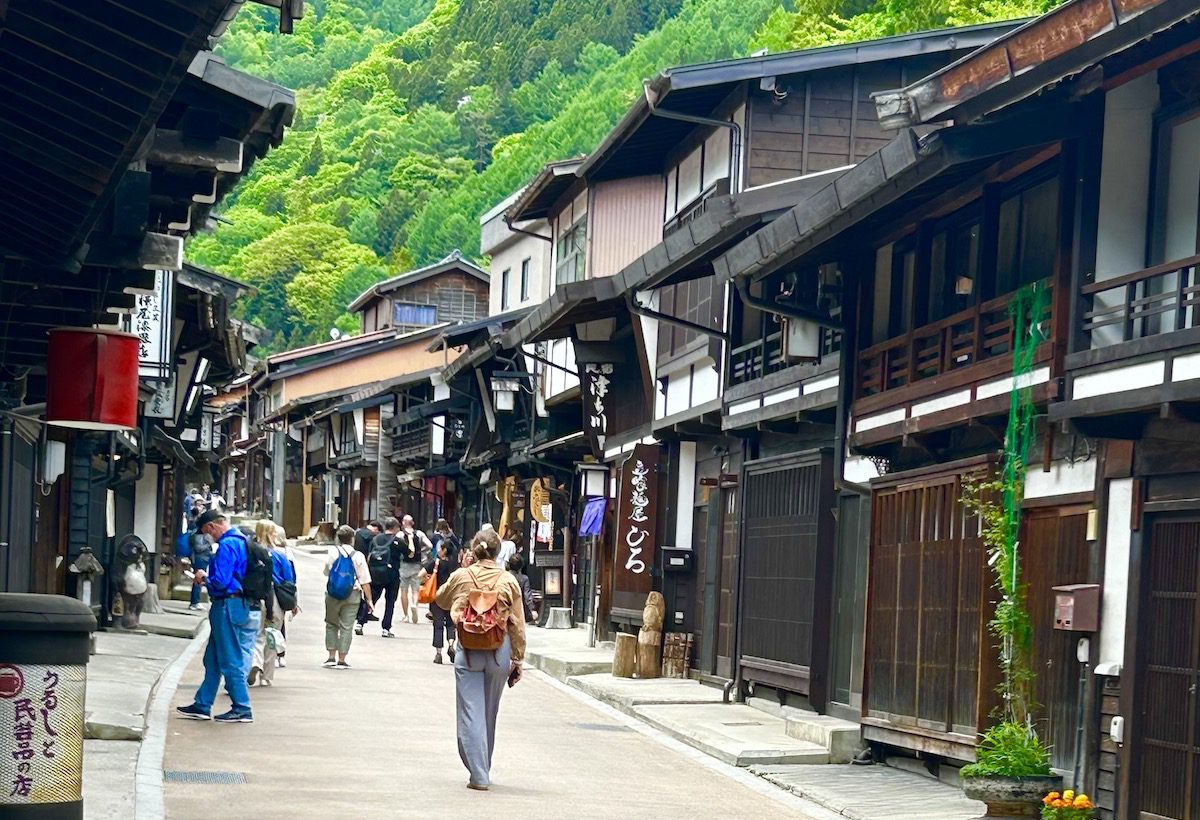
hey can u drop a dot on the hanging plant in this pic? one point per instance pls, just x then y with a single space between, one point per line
1011 748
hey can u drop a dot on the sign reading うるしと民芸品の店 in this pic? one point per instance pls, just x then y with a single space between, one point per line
636 530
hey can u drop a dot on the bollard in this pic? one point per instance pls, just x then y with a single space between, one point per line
43 670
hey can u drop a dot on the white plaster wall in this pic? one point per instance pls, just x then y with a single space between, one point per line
1116 571
678 387
1124 186
145 508
1063 479
859 470
686 500
706 384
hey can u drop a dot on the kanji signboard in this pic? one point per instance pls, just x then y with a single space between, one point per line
41 734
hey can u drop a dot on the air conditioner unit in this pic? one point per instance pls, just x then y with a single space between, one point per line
801 340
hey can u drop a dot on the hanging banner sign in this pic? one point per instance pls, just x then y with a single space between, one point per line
206 432
636 531
161 405
41 736
153 322
597 379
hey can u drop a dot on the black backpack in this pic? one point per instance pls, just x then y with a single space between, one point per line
257 582
381 551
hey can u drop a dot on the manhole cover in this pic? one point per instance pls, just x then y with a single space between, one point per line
601 727
230 778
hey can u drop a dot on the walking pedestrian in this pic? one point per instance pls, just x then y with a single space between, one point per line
383 561
443 566
202 550
516 566
415 550
281 656
229 617
283 581
349 584
443 533
485 605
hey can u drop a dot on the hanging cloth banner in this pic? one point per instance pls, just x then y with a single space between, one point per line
593 517
636 531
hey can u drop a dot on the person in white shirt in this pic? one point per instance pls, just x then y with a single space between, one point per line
508 547
340 613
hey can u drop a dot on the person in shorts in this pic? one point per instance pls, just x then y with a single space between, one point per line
415 550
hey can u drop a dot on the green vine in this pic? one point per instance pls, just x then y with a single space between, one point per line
1012 747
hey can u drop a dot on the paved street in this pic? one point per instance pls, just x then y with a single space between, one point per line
380 738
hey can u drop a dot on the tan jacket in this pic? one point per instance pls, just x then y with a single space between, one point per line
453 596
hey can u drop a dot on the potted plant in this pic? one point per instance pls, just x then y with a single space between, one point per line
1012 769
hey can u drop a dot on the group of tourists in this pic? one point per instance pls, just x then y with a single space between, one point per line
251 578
478 606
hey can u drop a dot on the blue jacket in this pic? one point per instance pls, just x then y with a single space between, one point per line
281 568
228 565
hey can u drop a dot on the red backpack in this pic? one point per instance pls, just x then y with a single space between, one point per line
484 621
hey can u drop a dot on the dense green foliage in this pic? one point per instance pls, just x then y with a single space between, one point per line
1009 750
415 116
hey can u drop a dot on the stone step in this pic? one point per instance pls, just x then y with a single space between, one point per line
627 693
842 738
733 733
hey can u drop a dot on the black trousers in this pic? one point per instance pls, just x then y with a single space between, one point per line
441 624
381 586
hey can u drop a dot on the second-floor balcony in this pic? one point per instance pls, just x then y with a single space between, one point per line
1139 340
946 372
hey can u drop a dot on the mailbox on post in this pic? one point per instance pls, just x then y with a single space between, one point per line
1077 607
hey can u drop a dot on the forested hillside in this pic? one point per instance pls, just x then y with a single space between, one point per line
418 115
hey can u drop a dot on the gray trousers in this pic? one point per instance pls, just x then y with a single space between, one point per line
480 678
339 622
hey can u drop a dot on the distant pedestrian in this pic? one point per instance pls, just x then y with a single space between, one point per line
202 550
349 584
516 566
508 547
443 533
281 659
283 579
485 604
443 566
364 535
229 616
383 561
415 550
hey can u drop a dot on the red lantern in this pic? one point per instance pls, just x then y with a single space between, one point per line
92 379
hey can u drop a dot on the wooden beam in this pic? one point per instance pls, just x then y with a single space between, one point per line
157 252
173 148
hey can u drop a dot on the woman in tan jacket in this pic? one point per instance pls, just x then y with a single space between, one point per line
480 676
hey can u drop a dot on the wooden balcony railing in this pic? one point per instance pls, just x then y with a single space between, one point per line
1157 300
972 336
765 356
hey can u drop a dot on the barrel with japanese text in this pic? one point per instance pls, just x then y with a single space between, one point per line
43 673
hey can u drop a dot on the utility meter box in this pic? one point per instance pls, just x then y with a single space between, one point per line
676 559
1077 607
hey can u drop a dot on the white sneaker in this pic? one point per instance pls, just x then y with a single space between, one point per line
358 629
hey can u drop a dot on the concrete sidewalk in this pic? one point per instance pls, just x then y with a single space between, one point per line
787 747
123 677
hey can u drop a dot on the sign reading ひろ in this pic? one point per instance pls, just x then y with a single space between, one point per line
41 733
636 530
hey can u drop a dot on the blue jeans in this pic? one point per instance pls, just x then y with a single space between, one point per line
225 655
197 563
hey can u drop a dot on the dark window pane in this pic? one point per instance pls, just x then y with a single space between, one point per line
1039 231
1008 237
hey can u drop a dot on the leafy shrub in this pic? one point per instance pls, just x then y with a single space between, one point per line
1009 750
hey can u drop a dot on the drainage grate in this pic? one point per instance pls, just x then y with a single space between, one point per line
227 778
601 727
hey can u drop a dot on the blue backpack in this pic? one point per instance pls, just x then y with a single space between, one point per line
341 577
183 545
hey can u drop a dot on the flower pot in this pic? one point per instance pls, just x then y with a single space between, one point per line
1011 796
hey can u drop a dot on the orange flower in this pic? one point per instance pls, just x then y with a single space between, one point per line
1081 802
1068 795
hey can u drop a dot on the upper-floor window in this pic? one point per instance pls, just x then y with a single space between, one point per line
504 277
1176 210
944 266
414 315
525 279
572 254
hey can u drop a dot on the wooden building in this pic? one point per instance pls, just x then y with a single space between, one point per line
452 290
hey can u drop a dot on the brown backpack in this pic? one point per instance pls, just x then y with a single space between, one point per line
484 621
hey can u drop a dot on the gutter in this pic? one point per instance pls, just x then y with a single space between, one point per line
639 309
735 155
509 222
779 309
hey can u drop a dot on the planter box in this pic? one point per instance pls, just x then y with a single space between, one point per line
1011 796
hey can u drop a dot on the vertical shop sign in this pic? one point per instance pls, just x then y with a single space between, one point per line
597 379
636 530
153 322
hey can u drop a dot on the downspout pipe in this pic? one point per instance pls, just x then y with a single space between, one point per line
509 222
639 309
735 156
779 309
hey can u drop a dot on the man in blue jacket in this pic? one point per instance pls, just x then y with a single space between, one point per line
231 622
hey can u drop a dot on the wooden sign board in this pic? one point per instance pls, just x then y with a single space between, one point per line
636 530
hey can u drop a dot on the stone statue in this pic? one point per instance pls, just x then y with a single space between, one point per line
130 575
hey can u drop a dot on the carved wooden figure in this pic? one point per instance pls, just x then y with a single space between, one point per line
649 663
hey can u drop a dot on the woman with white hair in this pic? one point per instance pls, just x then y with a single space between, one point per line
270 640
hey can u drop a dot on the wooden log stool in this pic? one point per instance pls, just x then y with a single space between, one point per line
625 655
